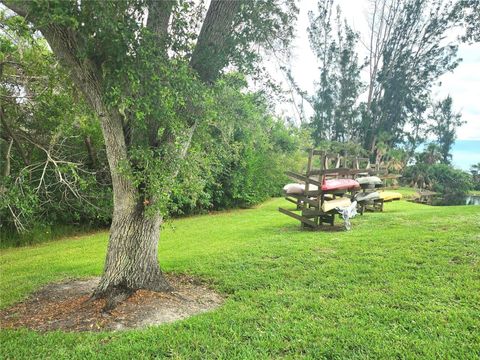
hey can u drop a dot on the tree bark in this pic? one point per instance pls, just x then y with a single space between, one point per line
213 45
159 13
92 154
132 257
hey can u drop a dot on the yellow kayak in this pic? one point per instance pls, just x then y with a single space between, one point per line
389 195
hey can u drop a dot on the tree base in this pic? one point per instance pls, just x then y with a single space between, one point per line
114 294
132 257
68 306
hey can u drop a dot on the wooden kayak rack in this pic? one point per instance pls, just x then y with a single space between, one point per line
321 166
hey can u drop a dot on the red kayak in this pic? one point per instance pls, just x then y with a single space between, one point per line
340 184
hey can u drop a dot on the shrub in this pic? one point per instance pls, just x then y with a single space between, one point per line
453 184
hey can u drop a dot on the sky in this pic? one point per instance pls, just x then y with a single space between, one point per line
463 85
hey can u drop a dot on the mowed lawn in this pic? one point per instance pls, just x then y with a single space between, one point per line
402 284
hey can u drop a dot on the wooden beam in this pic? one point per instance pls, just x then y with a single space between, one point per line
322 152
299 217
305 199
337 171
390 176
312 213
303 178
292 201
309 213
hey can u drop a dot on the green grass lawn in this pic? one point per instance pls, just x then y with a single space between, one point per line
402 284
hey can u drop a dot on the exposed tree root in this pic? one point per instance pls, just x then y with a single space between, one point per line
116 294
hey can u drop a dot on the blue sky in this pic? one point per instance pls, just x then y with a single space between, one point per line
465 153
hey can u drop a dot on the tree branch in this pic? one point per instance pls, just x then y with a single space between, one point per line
210 55
21 8
158 18
6 156
13 137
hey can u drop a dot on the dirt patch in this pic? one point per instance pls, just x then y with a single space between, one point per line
67 306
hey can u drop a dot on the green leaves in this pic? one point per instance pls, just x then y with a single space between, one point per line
335 101
452 184
444 124
53 177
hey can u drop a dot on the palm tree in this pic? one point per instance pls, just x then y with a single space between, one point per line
431 155
397 160
475 169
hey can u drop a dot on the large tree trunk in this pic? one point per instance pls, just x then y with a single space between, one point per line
132 256
131 261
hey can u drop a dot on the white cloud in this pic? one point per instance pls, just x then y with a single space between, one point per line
464 87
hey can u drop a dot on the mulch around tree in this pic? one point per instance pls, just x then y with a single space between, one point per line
67 306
